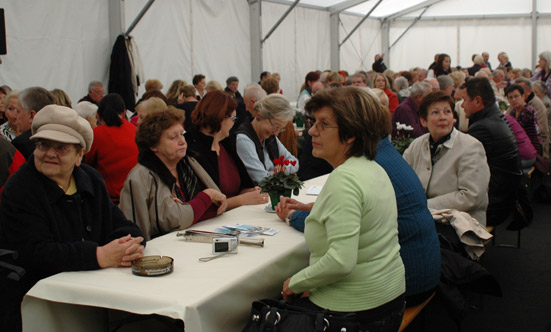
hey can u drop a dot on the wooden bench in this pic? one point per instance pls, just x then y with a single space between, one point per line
411 313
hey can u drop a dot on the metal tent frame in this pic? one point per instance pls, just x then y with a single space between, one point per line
337 9
117 23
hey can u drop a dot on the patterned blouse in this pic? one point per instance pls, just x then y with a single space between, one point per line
7 131
528 120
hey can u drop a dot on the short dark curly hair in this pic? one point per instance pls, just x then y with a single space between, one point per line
154 124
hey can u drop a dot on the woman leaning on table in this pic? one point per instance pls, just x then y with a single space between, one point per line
256 141
451 165
352 230
167 190
56 212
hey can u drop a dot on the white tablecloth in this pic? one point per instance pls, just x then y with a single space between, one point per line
207 296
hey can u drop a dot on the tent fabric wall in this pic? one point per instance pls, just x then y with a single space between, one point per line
462 38
359 51
55 45
179 39
299 45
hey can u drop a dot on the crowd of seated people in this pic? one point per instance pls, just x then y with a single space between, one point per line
200 150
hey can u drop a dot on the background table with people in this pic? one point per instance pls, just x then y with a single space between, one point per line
211 296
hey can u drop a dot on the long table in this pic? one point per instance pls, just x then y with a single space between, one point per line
207 296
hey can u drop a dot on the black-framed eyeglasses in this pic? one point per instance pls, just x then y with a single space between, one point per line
276 127
61 149
320 126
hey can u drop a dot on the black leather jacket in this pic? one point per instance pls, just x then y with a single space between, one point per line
492 130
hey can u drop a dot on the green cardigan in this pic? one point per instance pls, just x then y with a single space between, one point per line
352 233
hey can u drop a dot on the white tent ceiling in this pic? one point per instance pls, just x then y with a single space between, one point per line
440 8
67 43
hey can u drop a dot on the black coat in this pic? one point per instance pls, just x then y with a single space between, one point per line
199 147
120 74
54 232
23 144
492 130
310 166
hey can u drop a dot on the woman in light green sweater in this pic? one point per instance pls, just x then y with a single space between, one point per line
352 230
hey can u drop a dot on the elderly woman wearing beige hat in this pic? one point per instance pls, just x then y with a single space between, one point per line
57 213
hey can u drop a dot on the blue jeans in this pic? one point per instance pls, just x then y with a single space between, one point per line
385 318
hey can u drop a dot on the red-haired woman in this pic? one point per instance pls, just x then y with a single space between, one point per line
211 144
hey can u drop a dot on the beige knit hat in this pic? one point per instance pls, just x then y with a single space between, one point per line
62 124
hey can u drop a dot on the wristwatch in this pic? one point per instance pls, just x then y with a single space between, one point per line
289 215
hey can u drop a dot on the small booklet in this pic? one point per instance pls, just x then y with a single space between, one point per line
246 230
314 190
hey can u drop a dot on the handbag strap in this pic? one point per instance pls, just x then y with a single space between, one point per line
321 324
272 318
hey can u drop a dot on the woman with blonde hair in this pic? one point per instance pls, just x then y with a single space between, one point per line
61 98
381 81
174 91
544 73
153 84
213 86
11 104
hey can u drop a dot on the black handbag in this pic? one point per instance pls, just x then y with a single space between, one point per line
276 316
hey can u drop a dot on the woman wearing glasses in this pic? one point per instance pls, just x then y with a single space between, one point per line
56 212
256 141
352 231
211 144
167 190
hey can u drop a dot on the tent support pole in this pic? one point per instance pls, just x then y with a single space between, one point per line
116 19
291 7
360 23
534 33
334 41
139 17
255 14
409 27
385 40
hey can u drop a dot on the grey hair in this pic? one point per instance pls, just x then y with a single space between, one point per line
445 81
254 91
401 82
86 109
496 72
541 86
526 71
275 106
93 85
546 55
478 59
526 81
35 98
419 88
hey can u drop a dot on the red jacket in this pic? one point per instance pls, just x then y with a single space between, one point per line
10 160
114 153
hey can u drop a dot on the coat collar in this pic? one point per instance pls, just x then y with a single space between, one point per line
82 180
